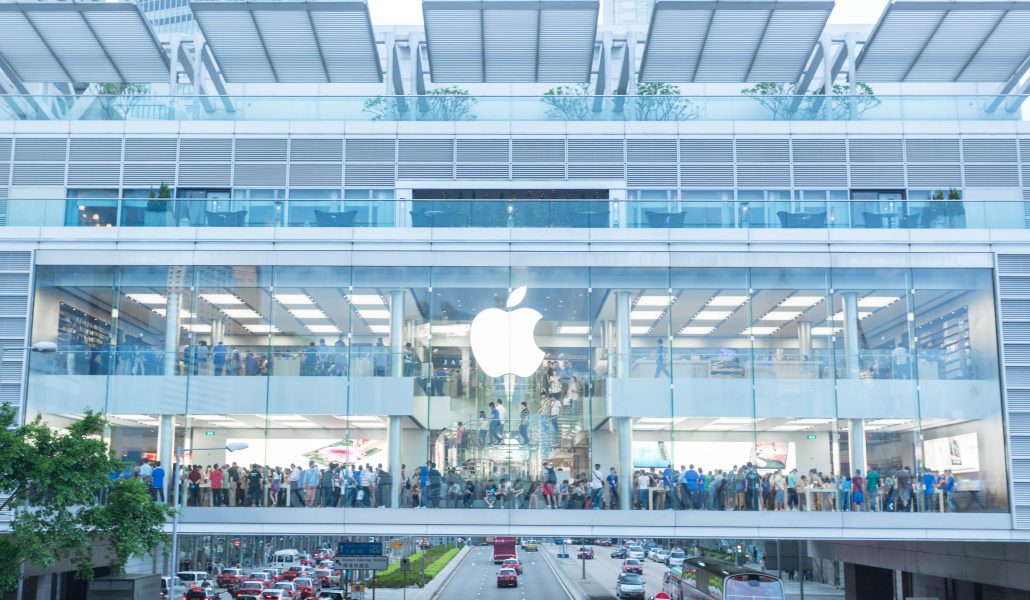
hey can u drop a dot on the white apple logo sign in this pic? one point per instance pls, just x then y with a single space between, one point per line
502 340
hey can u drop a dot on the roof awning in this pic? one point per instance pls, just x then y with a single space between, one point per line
106 42
964 40
732 40
291 41
510 41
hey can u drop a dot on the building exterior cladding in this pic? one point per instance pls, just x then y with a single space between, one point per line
846 290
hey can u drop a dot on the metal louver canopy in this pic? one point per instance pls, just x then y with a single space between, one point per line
291 41
963 40
109 42
732 40
510 41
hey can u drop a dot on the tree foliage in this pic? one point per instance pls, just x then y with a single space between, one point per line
118 99
653 101
440 104
784 101
54 482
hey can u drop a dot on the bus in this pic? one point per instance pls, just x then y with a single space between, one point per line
703 578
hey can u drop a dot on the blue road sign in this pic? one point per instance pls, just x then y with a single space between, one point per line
360 549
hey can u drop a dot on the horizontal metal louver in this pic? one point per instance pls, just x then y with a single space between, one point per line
706 151
3 211
763 176
38 174
1016 332
1019 423
877 176
151 149
935 176
1015 310
707 176
538 172
483 171
989 151
5 149
369 150
1013 263
95 149
98 174
205 174
373 175
316 175
1017 354
763 151
651 151
11 370
205 150
597 171
148 175
1019 446
1026 179
5 173
820 151
40 149
425 171
932 151
13 305
255 174
15 261
426 151
14 283
991 176
651 175
820 176
1024 149
12 327
599 151
1013 285
875 151
484 151
316 150
1021 469
260 150
538 151
1019 400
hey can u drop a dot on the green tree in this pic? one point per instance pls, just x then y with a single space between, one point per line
118 99
439 104
568 102
781 99
54 481
658 101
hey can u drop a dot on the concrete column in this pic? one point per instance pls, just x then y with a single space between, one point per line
851 46
624 430
851 334
624 425
804 339
172 331
396 370
856 444
165 448
623 346
827 45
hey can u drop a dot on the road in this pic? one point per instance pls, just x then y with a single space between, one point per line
605 570
476 579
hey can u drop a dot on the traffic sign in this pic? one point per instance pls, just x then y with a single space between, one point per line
362 563
360 549
395 545
405 564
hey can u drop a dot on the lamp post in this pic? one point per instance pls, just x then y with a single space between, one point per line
42 348
176 474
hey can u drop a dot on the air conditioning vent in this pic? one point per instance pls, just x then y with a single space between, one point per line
12 328
316 175
316 150
538 151
706 151
40 149
148 175
367 150
150 149
1014 285
1021 469
371 175
597 171
820 151
877 176
5 149
835 176
483 151
1019 400
763 176
260 150
14 283
1014 263
205 150
932 151
935 176
483 171
651 151
591 151
651 176
763 151
992 176
94 175
989 151
13 306
875 151
1017 354
264 175
538 172
425 171
1015 310
15 261
707 176
426 151
205 175
1016 332
38 174
96 149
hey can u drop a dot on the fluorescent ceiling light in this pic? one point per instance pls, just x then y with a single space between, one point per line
365 300
135 417
877 301
655 300
308 424
825 330
232 425
694 330
810 422
888 422
224 299
735 420
789 428
260 328
197 328
801 301
760 331
640 330
241 313
211 417
727 301
451 329
185 314
713 315
840 315
368 313
294 299
308 313
781 315
711 427
645 315
379 328
665 420
323 328
574 329
148 298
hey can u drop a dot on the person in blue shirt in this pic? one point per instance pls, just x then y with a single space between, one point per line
157 483
929 488
669 483
948 485
218 357
613 489
845 493
693 488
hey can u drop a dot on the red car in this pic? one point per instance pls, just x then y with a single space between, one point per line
230 579
307 587
253 586
507 578
291 574
585 553
512 563
632 565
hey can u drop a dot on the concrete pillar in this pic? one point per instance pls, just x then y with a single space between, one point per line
804 339
851 335
172 305
623 345
394 447
856 444
624 425
624 430
851 46
396 370
827 45
165 448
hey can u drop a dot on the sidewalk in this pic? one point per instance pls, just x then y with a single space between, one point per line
426 593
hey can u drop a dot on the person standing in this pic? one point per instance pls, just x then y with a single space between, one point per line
234 478
596 486
310 480
502 420
792 490
613 489
254 484
523 424
872 486
929 490
482 425
366 481
495 423
659 361
948 486
550 481
380 358
217 498
385 488
218 357
327 485
157 482
435 481
903 483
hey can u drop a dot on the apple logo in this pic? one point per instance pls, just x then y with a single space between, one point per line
502 340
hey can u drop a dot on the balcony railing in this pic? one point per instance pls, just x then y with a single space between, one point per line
491 213
513 108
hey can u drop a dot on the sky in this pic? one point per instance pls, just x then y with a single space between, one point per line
409 12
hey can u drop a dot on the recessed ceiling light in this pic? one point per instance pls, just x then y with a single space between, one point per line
640 330
810 422
294 299
877 301
801 301
308 313
260 328
719 427
274 417
781 315
451 329
241 313
695 330
713 315
323 328
197 328
655 300
379 328
185 314
365 300
574 329
760 331
888 422
727 301
645 315
370 313
148 298
222 299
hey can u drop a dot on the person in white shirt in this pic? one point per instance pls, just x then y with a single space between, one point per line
296 497
643 483
502 417
596 487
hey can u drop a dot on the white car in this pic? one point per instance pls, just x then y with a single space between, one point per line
189 578
659 555
636 552
676 558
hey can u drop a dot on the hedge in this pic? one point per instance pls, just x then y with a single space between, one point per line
437 558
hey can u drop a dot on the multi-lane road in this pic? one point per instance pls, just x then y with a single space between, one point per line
476 579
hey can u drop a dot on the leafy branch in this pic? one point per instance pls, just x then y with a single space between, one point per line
118 99
784 101
439 104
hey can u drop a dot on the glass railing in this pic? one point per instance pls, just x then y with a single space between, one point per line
492 213
513 108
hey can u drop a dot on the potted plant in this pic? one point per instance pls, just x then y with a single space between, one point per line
157 213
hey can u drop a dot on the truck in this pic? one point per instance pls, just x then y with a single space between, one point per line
504 548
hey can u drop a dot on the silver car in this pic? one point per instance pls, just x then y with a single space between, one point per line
629 585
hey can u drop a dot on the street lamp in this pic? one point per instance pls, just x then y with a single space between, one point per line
176 474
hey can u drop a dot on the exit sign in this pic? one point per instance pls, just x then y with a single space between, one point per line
209 433
810 436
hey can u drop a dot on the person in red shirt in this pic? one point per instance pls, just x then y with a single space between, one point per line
216 486
194 478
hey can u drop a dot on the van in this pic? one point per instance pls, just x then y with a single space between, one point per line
191 578
284 559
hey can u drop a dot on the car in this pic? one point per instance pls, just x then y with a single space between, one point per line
619 553
200 592
629 585
332 595
531 546
512 563
635 552
189 578
170 590
248 596
422 544
585 552
307 587
602 542
632 565
253 586
507 578
659 555
261 576
324 576
229 578
274 595
676 558
289 587
275 573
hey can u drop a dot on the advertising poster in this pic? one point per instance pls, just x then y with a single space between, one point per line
713 455
284 452
959 453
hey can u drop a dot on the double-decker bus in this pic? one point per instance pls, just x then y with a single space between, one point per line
703 578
